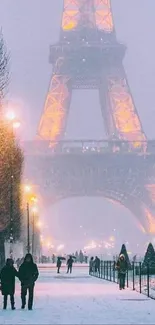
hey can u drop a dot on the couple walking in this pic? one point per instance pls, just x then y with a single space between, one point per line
27 274
69 264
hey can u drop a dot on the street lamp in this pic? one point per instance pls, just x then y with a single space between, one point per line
14 124
30 198
28 228
12 120
39 224
27 189
34 211
11 214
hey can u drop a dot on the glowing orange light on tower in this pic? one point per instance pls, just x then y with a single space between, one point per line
125 117
151 190
103 15
151 220
53 118
70 15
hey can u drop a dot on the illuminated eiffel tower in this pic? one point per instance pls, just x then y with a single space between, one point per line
88 56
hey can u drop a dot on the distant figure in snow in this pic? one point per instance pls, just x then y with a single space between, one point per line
70 264
7 277
28 274
97 265
91 264
121 267
59 263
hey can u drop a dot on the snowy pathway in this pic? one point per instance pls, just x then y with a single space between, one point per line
80 299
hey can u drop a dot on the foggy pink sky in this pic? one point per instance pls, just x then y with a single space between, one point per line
31 26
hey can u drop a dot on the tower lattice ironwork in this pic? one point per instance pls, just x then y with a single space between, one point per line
89 56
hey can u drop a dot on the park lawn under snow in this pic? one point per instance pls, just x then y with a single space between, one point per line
80 299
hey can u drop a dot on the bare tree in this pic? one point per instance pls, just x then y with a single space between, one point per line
4 66
11 162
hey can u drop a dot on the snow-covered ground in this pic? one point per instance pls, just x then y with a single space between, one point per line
80 299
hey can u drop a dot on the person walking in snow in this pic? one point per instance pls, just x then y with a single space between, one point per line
121 267
7 277
28 274
91 264
97 263
70 264
59 263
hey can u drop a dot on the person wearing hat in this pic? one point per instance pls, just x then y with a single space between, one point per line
121 267
7 277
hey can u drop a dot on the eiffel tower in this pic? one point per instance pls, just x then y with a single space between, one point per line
122 168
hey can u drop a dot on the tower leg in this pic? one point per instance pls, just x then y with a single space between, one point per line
53 121
107 117
103 15
70 16
123 121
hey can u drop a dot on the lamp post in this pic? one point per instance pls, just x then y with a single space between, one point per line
33 231
34 210
27 190
11 216
28 228
30 199
14 124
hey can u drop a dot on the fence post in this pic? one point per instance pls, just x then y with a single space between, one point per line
104 271
107 270
110 271
133 275
114 280
101 269
148 280
140 277
127 278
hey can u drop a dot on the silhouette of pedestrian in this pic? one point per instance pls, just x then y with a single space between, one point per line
70 264
28 274
121 267
7 277
59 263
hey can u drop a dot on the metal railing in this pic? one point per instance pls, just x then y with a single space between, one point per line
89 146
138 277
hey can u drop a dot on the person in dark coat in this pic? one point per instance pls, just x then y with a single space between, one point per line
59 263
97 265
70 264
121 267
7 277
28 274
91 264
